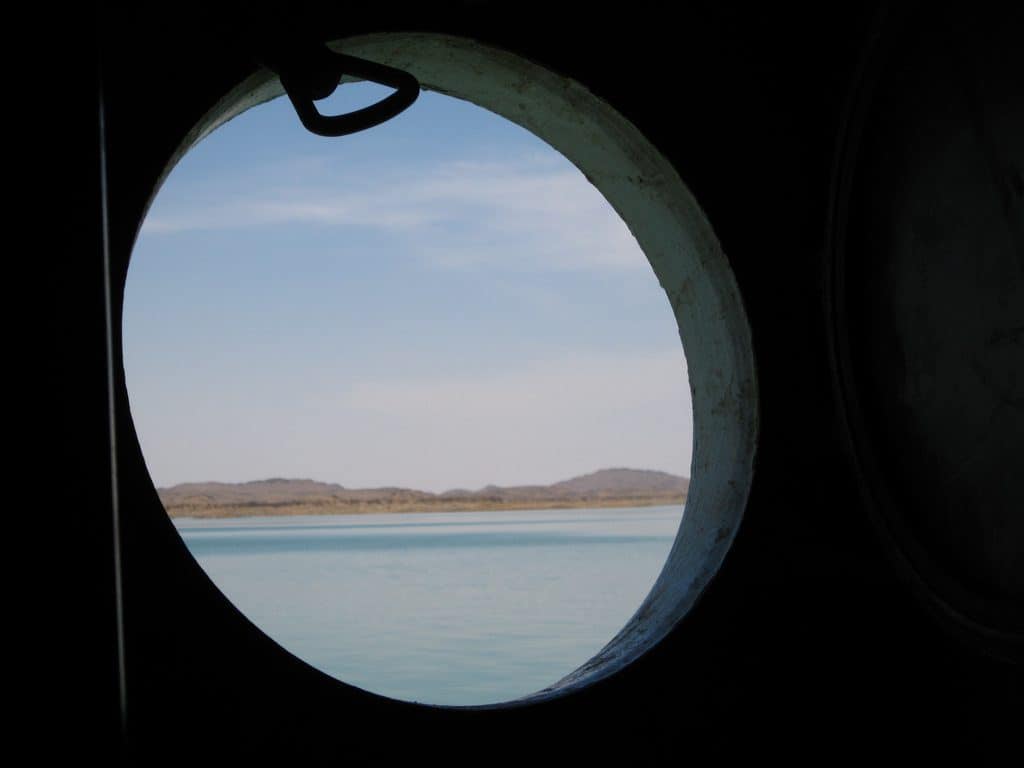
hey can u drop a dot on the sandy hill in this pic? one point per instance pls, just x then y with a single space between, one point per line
281 496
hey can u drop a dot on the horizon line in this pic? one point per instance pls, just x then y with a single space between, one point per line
410 488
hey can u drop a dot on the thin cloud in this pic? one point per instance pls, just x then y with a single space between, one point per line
525 214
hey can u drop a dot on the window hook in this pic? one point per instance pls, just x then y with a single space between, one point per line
314 72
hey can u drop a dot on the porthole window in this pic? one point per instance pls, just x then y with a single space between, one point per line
433 371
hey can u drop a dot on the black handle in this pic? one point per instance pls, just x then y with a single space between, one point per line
316 74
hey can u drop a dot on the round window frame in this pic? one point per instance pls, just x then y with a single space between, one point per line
648 194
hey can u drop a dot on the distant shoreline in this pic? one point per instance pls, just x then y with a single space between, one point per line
207 512
605 488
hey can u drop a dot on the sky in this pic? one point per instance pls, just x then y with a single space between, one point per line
443 301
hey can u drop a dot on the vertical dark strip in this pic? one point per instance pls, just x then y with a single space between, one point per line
112 417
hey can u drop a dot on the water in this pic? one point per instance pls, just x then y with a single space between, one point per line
451 608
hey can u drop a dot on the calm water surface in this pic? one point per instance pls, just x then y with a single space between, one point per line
453 608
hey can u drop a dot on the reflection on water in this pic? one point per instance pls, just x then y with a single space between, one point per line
456 608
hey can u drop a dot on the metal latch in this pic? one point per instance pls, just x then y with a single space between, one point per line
312 72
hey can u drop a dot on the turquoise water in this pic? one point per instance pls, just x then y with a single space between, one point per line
453 608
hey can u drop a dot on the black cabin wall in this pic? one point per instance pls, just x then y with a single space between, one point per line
810 645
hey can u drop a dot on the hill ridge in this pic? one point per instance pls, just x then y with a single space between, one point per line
616 486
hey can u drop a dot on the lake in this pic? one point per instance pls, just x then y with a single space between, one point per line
444 608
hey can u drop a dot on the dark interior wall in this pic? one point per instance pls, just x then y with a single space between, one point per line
817 641
936 306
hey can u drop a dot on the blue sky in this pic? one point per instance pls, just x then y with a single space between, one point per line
442 301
